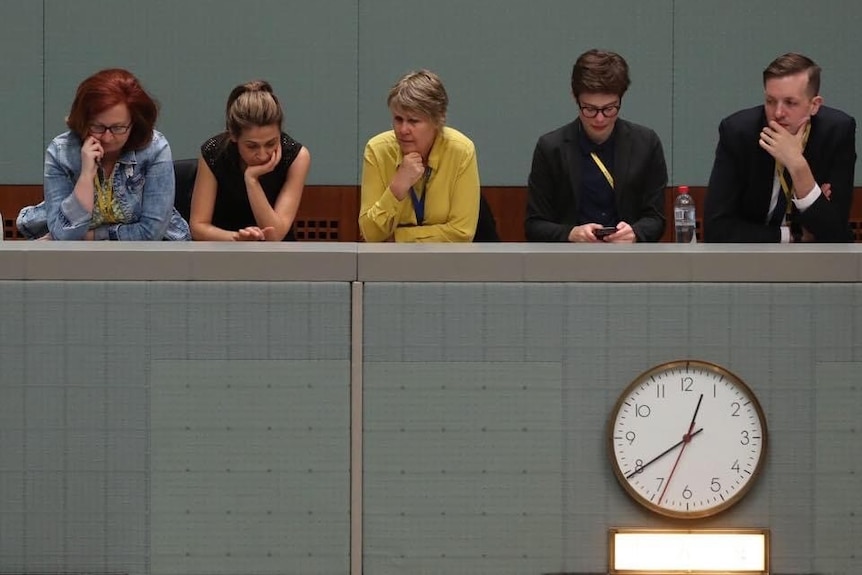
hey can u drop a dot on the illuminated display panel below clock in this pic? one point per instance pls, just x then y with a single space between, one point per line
708 551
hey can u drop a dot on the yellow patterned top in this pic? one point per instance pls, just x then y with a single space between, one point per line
105 211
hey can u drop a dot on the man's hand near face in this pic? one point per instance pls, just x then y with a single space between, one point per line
787 149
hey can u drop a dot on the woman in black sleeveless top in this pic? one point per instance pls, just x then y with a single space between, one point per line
250 178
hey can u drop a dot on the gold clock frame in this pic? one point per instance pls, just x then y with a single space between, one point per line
677 364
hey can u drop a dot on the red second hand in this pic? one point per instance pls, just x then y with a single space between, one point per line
686 440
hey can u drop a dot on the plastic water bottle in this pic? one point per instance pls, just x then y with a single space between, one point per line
683 217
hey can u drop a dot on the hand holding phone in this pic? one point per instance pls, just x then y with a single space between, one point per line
601 233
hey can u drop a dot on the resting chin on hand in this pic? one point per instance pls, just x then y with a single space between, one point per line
255 172
787 149
409 172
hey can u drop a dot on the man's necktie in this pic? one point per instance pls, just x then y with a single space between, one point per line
784 206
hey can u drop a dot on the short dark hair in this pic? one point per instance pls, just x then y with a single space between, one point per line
107 88
792 63
600 71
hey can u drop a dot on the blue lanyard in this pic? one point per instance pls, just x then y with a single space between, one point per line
419 204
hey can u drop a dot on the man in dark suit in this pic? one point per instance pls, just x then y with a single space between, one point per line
599 178
783 171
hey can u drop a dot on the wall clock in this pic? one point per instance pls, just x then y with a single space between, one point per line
687 439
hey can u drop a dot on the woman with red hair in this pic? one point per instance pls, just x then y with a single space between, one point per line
110 177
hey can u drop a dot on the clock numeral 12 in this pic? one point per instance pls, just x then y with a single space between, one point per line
686 383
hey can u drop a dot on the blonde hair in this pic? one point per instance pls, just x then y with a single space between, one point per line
250 105
420 92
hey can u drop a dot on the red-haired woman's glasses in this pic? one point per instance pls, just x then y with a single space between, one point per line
116 129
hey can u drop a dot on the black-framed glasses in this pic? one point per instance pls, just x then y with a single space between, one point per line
606 111
116 129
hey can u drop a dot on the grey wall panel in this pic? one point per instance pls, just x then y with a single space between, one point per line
504 378
839 464
507 67
189 55
21 38
249 466
423 346
109 391
462 431
720 51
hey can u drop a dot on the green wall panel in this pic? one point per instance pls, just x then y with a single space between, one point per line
506 65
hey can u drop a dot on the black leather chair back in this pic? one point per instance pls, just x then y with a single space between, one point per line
486 227
185 172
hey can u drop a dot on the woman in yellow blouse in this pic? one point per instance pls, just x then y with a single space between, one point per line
420 180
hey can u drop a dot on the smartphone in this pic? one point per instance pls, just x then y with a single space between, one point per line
600 233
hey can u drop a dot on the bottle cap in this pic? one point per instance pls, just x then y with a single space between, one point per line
682 190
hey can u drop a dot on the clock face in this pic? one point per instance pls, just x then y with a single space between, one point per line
687 439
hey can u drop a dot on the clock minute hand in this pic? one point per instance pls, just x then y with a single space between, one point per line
694 416
663 453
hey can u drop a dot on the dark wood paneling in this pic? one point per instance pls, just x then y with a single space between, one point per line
509 206
330 213
12 199
326 213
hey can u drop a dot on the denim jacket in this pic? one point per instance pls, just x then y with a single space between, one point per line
143 184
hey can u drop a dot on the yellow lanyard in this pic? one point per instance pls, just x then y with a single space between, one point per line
603 168
105 198
779 170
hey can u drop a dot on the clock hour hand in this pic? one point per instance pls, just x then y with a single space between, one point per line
685 439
